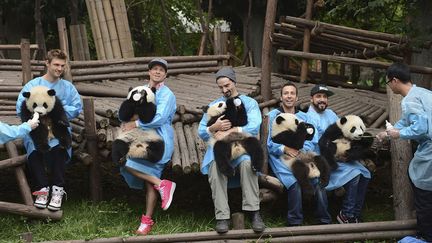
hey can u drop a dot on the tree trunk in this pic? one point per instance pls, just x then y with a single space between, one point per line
167 28
205 22
40 38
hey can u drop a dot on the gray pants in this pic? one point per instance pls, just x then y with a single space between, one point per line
248 182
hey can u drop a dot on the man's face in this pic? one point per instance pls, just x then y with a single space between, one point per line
157 73
55 68
227 87
392 83
319 101
289 96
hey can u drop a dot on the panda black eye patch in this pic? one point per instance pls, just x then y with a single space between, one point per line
45 105
34 105
353 129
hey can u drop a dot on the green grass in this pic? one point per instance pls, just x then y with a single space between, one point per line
118 215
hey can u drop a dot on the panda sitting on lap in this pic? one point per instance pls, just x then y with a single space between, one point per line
53 120
346 140
234 144
138 143
290 131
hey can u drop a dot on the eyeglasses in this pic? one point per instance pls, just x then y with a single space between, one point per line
390 80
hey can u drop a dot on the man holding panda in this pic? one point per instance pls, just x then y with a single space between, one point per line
226 81
353 177
284 174
416 124
57 156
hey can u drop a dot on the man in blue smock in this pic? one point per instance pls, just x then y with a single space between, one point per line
56 157
139 172
283 173
353 176
415 124
9 133
226 81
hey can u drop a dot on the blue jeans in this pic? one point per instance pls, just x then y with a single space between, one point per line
295 208
354 197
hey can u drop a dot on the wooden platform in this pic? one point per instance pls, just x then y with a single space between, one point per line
192 92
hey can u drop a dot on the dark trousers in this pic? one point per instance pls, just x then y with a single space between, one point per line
55 159
295 208
423 207
354 198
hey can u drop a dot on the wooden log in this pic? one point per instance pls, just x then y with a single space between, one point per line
169 59
184 151
25 61
200 145
175 159
19 68
310 230
306 42
104 30
13 162
266 58
123 30
105 153
352 61
378 122
77 137
110 136
85 158
97 35
20 175
112 31
17 47
84 41
102 135
76 43
193 157
238 221
95 168
30 211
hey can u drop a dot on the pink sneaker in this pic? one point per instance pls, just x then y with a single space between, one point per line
145 226
166 190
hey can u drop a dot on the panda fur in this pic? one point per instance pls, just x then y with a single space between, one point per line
138 143
235 144
290 131
52 116
346 140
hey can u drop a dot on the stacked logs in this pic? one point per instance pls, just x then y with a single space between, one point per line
137 67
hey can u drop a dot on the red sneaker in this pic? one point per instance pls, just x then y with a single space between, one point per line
166 190
145 226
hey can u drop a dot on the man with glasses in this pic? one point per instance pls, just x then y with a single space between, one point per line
416 124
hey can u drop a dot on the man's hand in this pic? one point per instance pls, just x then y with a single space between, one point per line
126 126
393 133
34 122
291 151
220 125
381 136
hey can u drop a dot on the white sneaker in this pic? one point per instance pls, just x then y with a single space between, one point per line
41 197
56 198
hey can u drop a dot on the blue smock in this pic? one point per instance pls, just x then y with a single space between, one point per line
416 124
162 122
275 150
252 127
345 171
69 97
9 133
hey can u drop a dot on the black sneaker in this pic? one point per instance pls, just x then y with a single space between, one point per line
222 225
343 219
257 222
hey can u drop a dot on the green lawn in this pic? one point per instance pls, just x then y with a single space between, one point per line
118 215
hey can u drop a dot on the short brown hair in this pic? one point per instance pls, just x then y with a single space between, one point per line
55 53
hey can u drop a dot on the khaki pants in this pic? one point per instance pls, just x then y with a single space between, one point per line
248 182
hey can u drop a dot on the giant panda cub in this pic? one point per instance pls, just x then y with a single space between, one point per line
52 116
236 143
292 132
346 140
138 143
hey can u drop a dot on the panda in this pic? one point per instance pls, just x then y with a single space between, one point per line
52 116
346 140
236 143
138 143
292 132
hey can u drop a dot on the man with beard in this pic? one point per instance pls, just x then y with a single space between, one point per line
226 81
289 98
353 176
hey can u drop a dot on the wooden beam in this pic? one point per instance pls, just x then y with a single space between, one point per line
266 59
25 61
306 42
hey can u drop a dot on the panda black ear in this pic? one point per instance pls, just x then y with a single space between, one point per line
153 89
51 92
26 94
343 120
296 122
279 120
205 109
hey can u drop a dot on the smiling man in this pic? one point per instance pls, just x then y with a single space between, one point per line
57 156
138 172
